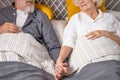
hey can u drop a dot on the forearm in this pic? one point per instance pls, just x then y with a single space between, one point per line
54 53
64 53
0 29
114 37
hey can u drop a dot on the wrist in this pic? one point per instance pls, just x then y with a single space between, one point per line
106 33
59 61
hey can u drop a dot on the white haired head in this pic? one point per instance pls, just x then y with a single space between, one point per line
98 3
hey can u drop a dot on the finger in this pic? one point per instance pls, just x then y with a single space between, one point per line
13 26
65 67
91 37
12 31
65 64
58 75
9 30
62 69
59 67
87 35
66 70
59 78
59 70
56 78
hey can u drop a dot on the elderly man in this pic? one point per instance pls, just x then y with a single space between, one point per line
22 16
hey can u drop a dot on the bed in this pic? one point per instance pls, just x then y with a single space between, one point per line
15 70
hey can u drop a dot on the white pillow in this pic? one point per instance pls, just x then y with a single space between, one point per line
59 26
115 13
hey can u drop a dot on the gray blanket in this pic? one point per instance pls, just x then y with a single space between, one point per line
22 71
106 70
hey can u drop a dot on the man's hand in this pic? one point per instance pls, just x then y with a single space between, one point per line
9 28
96 34
61 69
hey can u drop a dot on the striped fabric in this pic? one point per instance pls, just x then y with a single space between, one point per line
113 4
23 47
87 51
4 3
59 7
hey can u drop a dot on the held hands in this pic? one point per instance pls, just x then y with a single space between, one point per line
61 69
96 34
9 28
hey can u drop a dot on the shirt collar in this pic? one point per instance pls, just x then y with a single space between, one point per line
100 15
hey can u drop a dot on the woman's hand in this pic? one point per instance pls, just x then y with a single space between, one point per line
61 69
99 33
96 34
9 28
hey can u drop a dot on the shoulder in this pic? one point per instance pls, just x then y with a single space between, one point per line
40 14
75 16
111 17
41 17
108 15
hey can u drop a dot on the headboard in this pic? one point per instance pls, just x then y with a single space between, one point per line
59 7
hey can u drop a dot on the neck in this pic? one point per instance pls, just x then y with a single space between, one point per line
93 13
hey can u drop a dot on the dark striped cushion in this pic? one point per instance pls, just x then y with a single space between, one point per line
58 6
113 5
4 3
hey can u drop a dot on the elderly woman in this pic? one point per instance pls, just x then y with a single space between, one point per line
90 37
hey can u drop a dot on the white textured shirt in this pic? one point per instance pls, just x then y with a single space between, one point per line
21 18
86 51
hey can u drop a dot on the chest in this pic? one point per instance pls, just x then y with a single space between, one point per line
87 26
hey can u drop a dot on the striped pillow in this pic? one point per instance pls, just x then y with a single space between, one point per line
113 5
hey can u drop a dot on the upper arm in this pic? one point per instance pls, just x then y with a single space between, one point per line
69 35
116 25
48 32
49 37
